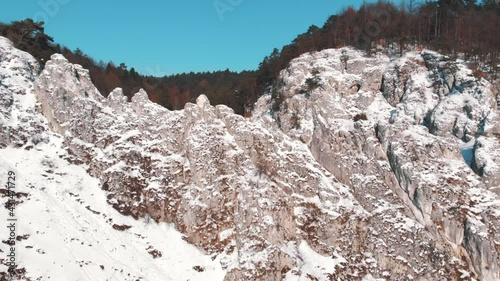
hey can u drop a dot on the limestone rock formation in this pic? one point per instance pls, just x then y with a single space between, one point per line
344 172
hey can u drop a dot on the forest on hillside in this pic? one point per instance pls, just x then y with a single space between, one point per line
465 28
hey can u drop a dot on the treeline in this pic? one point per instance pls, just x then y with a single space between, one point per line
222 87
454 27
174 91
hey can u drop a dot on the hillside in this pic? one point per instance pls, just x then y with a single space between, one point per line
351 169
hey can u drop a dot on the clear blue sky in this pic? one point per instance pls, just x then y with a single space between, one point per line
160 37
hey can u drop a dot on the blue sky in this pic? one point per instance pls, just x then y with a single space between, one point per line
173 36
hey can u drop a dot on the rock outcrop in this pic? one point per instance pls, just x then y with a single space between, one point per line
405 137
18 122
345 172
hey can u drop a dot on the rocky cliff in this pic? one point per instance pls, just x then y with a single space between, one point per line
370 168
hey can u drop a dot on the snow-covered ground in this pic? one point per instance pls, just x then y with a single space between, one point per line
69 227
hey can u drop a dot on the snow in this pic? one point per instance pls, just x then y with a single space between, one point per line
318 264
313 264
370 277
223 235
70 227
489 155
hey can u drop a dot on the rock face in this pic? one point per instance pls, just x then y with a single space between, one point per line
348 171
18 122
402 140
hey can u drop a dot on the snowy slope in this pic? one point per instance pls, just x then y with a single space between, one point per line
70 227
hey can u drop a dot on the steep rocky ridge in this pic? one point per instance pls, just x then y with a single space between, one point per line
351 172
427 103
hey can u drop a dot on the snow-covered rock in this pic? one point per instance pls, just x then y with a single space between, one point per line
18 123
402 138
66 229
347 172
